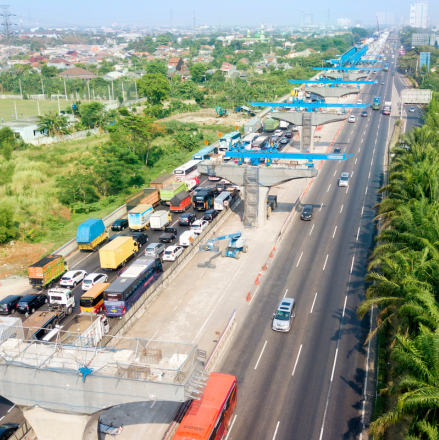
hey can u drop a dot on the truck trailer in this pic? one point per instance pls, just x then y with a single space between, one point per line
271 124
167 193
84 330
46 272
158 221
181 202
138 217
252 126
387 108
151 197
91 234
117 252
40 324
161 181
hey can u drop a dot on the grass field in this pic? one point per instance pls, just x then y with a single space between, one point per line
26 107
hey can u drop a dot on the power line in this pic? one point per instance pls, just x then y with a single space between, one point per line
7 27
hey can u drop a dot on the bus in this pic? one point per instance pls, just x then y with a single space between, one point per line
187 171
92 301
205 153
209 418
247 141
205 199
227 140
129 286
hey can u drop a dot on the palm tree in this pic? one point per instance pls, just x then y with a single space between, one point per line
53 124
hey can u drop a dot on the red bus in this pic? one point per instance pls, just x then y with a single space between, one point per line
209 417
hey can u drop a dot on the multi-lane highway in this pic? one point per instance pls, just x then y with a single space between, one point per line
309 383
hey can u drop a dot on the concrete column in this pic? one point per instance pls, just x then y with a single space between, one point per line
262 205
51 425
308 148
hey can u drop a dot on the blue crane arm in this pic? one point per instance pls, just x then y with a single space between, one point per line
341 69
305 105
306 156
225 237
327 81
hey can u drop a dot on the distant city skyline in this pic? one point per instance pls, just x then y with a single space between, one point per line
52 13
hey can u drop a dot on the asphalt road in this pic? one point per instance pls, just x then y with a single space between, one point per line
308 383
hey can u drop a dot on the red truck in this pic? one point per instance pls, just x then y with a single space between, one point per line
180 202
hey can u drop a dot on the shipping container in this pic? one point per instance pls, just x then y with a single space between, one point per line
253 126
167 193
158 221
151 197
117 252
46 271
138 217
161 181
91 234
181 202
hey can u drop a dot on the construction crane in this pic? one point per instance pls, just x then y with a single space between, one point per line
237 244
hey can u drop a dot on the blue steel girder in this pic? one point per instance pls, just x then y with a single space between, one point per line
327 81
344 69
355 58
305 105
289 156
346 56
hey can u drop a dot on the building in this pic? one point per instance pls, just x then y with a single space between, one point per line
419 14
228 69
175 62
60 64
423 39
77 72
344 22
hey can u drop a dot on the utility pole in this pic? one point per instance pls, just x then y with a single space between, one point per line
59 107
42 86
112 88
21 91
38 104
109 96
88 85
135 87
16 114
123 93
65 90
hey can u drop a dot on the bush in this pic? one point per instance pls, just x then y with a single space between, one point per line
7 228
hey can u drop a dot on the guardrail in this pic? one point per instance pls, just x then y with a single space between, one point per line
24 432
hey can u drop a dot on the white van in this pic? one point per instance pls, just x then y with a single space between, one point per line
224 196
187 238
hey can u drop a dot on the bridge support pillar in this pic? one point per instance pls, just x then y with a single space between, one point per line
262 208
53 425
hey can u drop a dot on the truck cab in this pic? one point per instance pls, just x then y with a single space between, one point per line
60 298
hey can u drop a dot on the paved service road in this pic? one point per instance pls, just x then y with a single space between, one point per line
308 383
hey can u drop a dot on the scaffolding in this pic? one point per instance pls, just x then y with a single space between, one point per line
251 197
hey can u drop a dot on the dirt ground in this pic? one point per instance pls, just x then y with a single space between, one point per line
15 258
208 116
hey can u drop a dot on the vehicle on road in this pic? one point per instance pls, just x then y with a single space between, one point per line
351 118
170 191
154 250
294 128
91 234
187 219
210 416
213 178
30 303
93 300
271 124
344 179
158 220
7 429
376 103
382 83
376 82
412 109
187 238
284 140
117 252
337 150
364 113
129 286
222 200
284 315
279 132
204 200
138 217
271 204
210 214
359 101
182 201
252 126
199 226
172 253
169 235
46 272
93 278
9 304
61 300
187 171
140 238
307 213
120 225
288 134
387 109
72 278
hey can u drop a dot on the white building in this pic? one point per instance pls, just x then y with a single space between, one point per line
343 22
418 14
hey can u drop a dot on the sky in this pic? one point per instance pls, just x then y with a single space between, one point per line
57 13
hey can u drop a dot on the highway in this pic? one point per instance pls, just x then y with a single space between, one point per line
308 383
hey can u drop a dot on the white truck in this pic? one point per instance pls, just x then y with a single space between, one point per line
61 299
387 109
284 124
158 221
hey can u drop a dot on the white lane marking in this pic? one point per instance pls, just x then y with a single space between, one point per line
361 140
231 426
333 235
11 408
286 291
2 418
371 163
335 173
251 299
366 191
373 151
311 229
333 367
352 265
312 307
299 259
349 140
355 161
362 210
369 175
275 432
344 307
359 149
352 174
174 222
256 366
328 187
79 262
358 233
347 189
364 132
152 337
325 261
175 308
321 206
341 209
297 359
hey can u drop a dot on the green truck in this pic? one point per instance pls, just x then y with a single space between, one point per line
170 191
271 124
46 272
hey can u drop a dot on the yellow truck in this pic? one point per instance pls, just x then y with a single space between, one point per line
117 252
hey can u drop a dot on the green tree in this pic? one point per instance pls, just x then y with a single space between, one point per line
53 124
185 140
157 67
154 86
198 72
49 72
92 114
7 227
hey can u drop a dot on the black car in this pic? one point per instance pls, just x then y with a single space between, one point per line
120 225
209 215
364 113
168 235
288 134
139 237
337 150
8 305
30 303
307 213
187 219
7 429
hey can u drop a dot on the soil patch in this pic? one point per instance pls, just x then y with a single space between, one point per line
208 116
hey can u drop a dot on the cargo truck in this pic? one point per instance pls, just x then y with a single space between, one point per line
46 272
138 217
271 124
161 181
387 108
181 202
61 299
91 234
40 324
376 103
158 221
117 252
151 197
253 126
283 124
170 191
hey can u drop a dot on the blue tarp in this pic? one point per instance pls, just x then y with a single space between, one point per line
90 230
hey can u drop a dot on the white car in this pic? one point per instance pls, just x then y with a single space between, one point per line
72 278
172 253
93 278
351 118
199 226
412 109
359 101
344 179
214 178
278 132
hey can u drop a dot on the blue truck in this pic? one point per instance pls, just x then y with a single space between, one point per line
91 234
376 103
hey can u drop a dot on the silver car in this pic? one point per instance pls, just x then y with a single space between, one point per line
154 250
284 315
344 179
